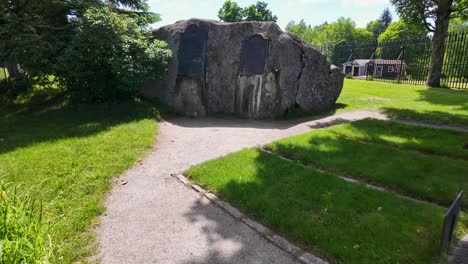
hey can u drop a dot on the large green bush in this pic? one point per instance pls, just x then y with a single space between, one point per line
110 56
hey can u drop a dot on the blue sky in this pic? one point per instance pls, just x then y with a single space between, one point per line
314 12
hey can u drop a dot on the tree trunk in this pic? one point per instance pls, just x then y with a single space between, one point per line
438 43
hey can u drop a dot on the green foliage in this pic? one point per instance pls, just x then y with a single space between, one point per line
385 18
401 30
458 25
328 35
258 12
23 231
32 33
426 12
394 37
435 15
232 12
380 25
342 31
375 27
55 38
109 57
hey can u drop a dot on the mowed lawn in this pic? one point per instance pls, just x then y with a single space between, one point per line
340 221
433 105
428 140
346 222
67 157
430 177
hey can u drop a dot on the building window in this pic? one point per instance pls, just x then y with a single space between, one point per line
390 68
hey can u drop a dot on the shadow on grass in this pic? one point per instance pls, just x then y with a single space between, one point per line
424 177
434 117
436 96
426 140
21 126
343 222
441 96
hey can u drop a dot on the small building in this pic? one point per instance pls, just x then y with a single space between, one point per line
386 68
380 68
355 67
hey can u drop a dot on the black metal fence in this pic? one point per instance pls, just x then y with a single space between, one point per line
403 61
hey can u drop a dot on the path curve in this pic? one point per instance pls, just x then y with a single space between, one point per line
155 219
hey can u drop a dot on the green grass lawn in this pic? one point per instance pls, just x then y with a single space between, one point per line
425 139
67 157
435 105
341 221
429 177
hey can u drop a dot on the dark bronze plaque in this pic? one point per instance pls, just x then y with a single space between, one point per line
192 51
254 53
450 222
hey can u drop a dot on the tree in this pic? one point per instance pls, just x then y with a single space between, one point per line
385 19
378 26
230 12
401 30
362 35
375 27
435 15
47 38
110 57
458 25
32 32
327 35
258 12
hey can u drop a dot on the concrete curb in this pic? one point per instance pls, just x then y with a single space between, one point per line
278 241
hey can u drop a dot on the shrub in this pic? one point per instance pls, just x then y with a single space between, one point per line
23 232
110 56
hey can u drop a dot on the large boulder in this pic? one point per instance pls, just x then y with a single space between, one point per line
292 73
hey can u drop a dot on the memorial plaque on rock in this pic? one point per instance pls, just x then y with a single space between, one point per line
254 53
192 52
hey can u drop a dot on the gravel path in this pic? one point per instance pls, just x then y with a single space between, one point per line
155 219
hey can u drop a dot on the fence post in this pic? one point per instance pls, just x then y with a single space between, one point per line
402 56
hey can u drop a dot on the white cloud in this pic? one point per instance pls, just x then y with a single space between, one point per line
312 1
363 3
293 3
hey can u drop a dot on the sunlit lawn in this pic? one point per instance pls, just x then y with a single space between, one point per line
424 139
435 105
341 221
67 157
430 177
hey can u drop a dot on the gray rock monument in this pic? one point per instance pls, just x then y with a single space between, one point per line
252 69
